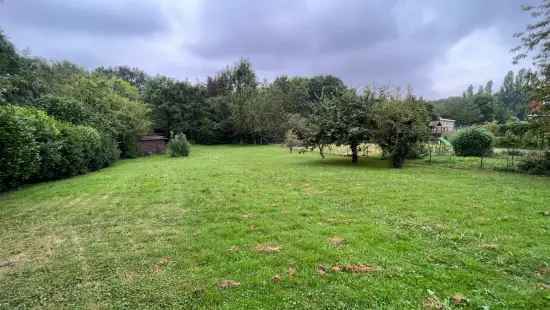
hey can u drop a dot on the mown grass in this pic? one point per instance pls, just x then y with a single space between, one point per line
163 232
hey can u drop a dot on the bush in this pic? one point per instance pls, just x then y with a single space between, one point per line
36 147
179 146
19 151
536 163
473 142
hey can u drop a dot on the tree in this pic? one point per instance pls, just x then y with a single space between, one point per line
340 120
486 105
536 38
398 125
134 76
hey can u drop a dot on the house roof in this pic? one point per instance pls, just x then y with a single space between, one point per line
446 119
152 138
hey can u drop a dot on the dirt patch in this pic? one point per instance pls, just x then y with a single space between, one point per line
268 248
223 284
336 241
161 265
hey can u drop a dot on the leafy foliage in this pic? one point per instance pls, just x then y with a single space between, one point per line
536 163
340 120
36 147
398 126
179 146
473 142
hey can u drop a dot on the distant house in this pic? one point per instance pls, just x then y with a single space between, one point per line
442 126
154 144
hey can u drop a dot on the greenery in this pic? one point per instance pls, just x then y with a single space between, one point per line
36 147
509 103
473 142
399 128
160 232
536 163
179 146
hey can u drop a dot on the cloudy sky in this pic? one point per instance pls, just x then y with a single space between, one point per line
436 46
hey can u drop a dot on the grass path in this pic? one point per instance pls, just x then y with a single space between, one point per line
161 232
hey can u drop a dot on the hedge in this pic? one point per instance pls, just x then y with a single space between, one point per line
473 142
36 147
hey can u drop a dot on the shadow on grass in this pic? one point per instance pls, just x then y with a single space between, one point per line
345 162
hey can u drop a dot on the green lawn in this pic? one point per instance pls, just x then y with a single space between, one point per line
162 232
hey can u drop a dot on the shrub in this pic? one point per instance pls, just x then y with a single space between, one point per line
65 109
536 163
36 147
179 146
473 142
19 151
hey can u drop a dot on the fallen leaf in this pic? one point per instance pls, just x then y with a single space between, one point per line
268 248
336 268
291 272
354 268
228 284
336 241
432 303
458 299
322 270
276 278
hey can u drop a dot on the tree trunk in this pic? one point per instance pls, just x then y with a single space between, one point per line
354 157
321 151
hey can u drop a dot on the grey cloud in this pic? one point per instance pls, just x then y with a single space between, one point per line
362 42
106 18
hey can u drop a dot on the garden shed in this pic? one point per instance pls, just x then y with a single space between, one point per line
442 126
153 144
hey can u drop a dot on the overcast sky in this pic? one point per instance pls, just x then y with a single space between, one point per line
436 46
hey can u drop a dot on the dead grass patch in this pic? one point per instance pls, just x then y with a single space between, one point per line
268 248
223 284
336 241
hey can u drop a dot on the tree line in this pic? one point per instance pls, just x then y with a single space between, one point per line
483 105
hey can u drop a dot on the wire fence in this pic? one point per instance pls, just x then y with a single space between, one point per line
442 154
504 159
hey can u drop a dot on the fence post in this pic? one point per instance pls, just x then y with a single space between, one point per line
481 162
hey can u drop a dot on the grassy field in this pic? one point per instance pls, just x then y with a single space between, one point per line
294 231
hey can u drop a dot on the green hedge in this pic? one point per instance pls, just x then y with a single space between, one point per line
36 147
473 142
